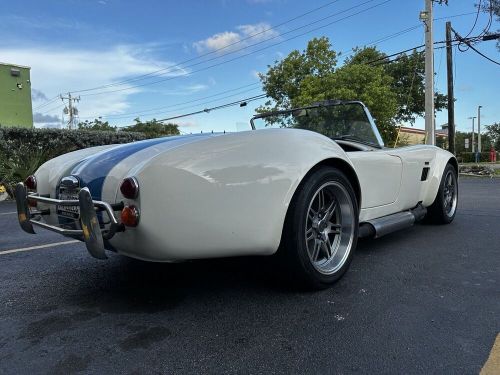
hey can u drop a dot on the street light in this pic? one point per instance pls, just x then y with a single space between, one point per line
473 117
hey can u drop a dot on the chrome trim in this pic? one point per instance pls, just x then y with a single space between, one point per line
70 182
104 205
91 232
90 225
23 210
64 232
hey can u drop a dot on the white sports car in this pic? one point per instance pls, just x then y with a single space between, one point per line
304 183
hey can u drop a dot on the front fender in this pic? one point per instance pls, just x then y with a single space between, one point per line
439 163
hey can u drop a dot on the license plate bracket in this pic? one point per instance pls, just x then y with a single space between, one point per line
72 212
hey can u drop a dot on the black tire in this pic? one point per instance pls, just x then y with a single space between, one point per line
297 252
443 210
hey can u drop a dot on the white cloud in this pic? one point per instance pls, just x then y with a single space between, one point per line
244 35
55 70
186 89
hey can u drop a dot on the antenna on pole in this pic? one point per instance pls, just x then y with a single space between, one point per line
71 110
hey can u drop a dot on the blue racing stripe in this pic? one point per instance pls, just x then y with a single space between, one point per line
93 170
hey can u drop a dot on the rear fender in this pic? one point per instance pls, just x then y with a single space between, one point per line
224 196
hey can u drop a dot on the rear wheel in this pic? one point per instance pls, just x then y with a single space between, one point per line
320 232
444 208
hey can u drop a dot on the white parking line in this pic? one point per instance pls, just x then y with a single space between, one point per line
38 247
8 213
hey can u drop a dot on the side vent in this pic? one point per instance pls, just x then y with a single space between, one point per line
425 173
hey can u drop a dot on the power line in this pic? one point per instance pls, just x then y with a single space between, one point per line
52 109
262 96
145 111
207 110
49 101
481 54
180 66
294 37
258 50
477 17
213 51
468 43
382 39
253 35
189 106
404 31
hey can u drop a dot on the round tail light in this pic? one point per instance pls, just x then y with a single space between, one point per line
30 182
130 216
130 188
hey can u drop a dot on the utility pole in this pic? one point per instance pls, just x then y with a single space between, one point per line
427 17
70 109
479 128
451 96
473 117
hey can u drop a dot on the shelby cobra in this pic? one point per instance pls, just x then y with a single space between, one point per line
308 183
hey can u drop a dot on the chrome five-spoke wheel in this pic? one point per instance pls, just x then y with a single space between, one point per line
450 193
444 207
329 227
321 229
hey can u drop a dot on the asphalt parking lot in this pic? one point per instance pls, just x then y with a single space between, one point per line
425 300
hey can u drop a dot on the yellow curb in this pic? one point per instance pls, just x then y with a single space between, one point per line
492 365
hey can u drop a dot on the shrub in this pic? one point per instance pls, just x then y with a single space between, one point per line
469 157
23 150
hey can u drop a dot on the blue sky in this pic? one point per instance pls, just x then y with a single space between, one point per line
73 45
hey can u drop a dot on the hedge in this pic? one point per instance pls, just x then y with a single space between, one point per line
59 141
469 157
23 150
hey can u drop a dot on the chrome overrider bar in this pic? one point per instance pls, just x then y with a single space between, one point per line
91 230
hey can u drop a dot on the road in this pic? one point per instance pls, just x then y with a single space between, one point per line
425 300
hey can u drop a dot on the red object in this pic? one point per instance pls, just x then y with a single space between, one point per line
130 188
30 182
32 203
130 216
493 155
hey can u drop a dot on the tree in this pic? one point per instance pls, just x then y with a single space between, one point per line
312 75
96 125
356 82
282 81
493 131
154 128
408 81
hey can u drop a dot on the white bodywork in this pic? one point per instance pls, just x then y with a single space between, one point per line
228 194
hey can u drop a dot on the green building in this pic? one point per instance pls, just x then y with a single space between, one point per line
15 96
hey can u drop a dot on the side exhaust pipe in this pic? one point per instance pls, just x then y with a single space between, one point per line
387 224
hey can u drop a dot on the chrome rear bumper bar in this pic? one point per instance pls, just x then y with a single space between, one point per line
91 231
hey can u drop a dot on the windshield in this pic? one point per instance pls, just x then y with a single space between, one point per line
343 120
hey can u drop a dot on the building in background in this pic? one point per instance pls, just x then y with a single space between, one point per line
413 136
15 96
